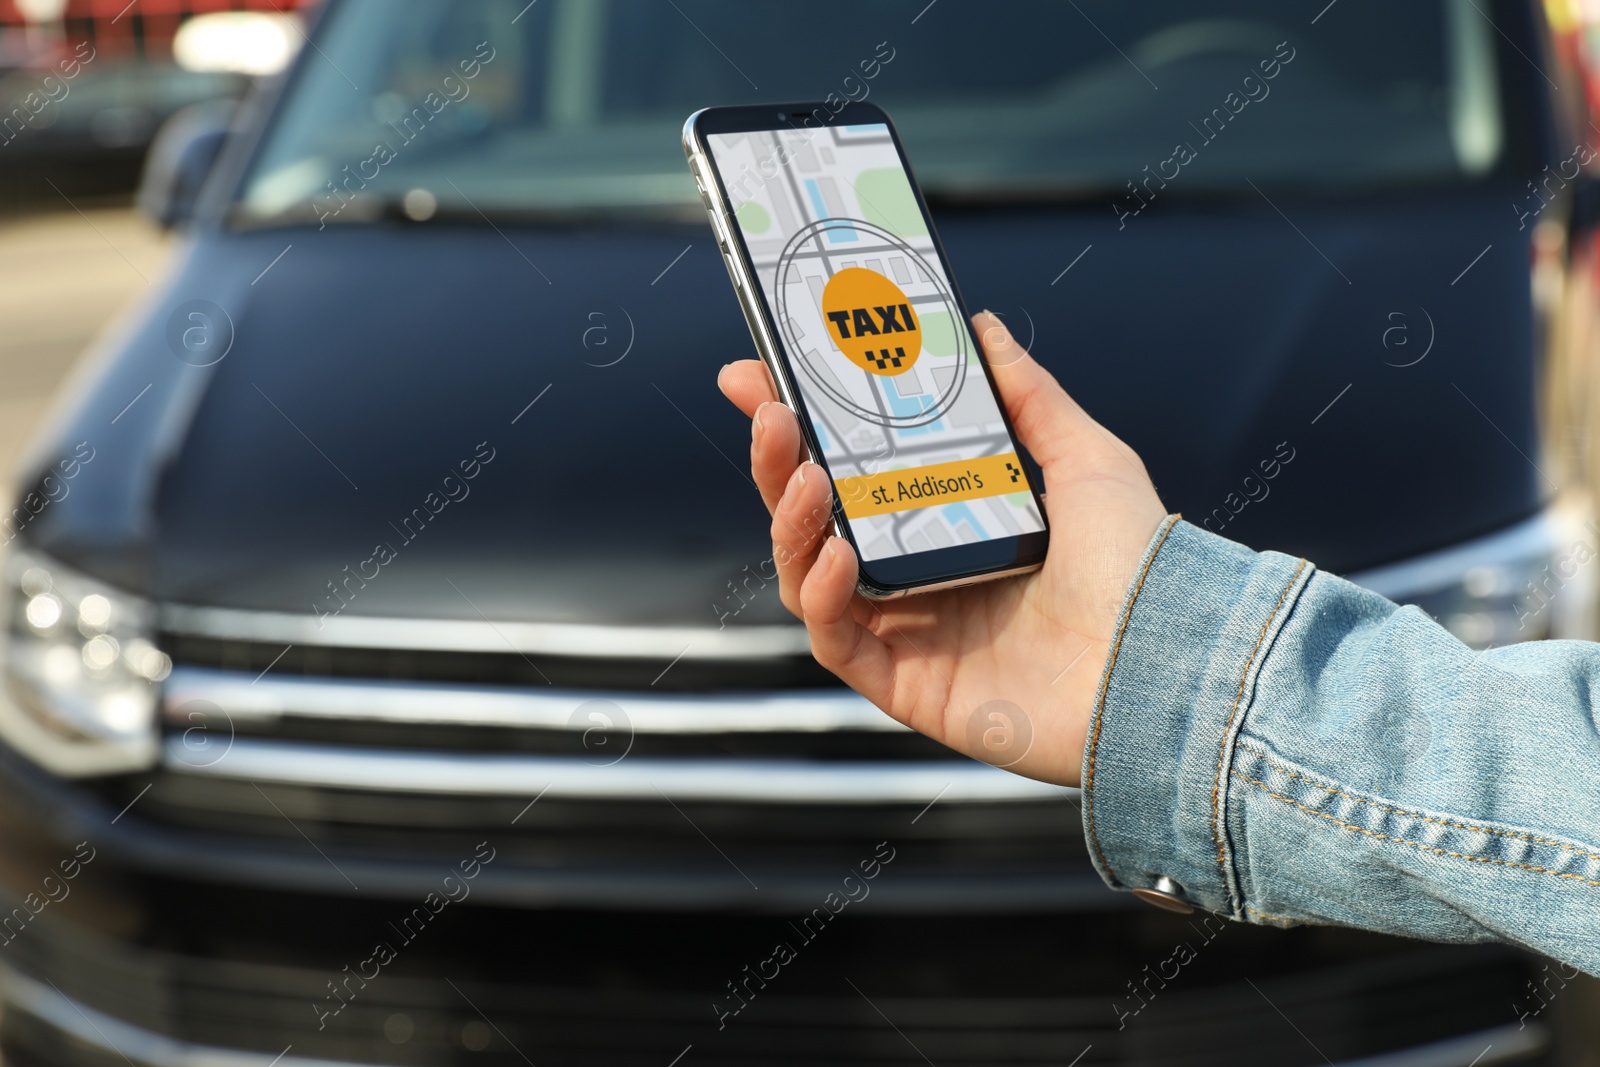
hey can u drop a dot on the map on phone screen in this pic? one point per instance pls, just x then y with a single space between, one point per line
909 428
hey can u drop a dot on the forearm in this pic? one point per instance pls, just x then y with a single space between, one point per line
1288 747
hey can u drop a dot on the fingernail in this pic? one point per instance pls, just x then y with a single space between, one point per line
796 479
996 336
760 424
831 549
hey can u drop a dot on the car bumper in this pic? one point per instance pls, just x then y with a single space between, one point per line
180 946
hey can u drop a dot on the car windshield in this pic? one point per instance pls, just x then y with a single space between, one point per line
505 107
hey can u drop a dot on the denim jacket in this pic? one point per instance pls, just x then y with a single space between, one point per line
1280 746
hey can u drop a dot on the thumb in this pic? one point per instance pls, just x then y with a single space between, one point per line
1049 423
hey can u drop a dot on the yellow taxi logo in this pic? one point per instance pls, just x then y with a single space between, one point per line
870 319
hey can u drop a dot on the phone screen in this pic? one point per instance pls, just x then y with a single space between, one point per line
909 428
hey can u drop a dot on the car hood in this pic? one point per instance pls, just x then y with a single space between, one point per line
370 369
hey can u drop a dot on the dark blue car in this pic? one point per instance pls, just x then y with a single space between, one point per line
394 668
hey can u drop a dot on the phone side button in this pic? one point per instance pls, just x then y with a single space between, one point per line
733 271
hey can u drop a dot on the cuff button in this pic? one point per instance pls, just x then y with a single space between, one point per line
1166 895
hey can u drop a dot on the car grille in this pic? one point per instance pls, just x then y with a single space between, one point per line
620 834
595 777
491 667
367 684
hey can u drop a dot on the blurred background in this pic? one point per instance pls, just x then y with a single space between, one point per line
84 152
351 717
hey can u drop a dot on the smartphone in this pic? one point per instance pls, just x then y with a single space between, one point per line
856 314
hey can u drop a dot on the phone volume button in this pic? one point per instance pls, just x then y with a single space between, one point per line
701 180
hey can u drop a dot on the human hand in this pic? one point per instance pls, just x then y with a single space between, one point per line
941 662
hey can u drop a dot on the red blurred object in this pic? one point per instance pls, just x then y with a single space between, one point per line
1575 44
145 26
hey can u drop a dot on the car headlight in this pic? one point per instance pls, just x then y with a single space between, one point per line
81 670
1529 581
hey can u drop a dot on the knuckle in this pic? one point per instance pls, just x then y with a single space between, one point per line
827 650
787 542
793 533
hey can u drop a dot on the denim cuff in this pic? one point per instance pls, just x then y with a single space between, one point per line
1200 618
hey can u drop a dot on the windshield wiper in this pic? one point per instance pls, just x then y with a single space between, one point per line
369 209
956 197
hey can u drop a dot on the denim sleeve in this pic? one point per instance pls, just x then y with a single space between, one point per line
1287 747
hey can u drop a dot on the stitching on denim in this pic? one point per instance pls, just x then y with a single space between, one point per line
1264 917
1105 685
1414 844
1418 815
1244 677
